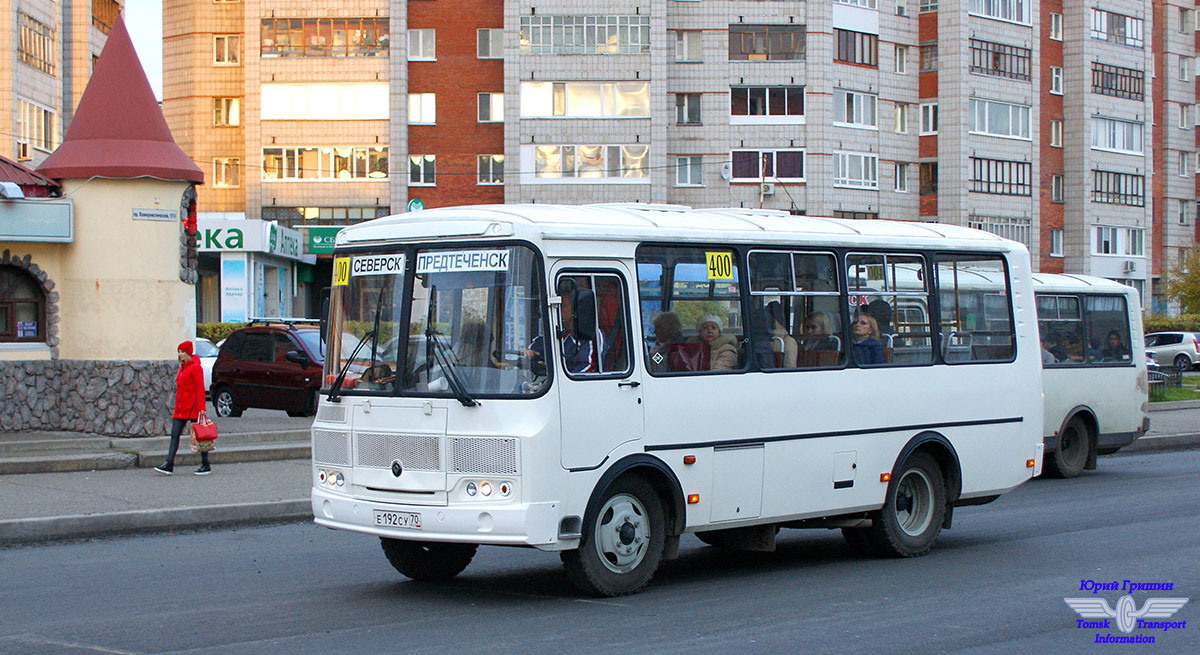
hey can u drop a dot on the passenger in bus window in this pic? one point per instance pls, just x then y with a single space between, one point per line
580 347
667 331
881 310
783 345
722 349
864 336
816 332
1114 350
1047 354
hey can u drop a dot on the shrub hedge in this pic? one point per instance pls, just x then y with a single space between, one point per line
214 332
1181 323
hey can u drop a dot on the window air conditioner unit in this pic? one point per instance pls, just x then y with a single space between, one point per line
768 189
1130 266
23 152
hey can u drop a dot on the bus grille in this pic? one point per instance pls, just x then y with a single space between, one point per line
415 452
487 456
332 413
329 447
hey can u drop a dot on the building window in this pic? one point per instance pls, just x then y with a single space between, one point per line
901 114
929 57
1056 132
422 45
1128 241
227 50
227 172
491 170
1056 26
856 170
1112 188
687 108
1135 242
929 119
1185 164
491 107
1056 242
1185 20
865 4
422 108
1056 80
688 46
22 306
856 47
901 58
901 178
36 128
999 60
227 112
421 169
1185 66
490 43
1116 28
1014 11
1184 119
766 104
1106 241
854 109
363 163
901 7
1118 81
324 37
1117 135
587 163
768 165
291 216
928 172
766 42
1185 210
928 6
585 100
998 176
688 171
996 118
585 35
1056 189
35 45
1012 228
855 215
338 102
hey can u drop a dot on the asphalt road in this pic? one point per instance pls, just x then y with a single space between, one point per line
994 584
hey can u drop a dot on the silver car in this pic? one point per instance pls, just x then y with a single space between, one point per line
1178 349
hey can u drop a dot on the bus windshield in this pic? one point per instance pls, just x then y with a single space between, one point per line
471 314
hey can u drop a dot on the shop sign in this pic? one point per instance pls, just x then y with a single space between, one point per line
248 235
415 205
155 215
283 241
321 239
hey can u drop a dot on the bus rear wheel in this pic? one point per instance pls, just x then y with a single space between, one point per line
427 560
622 541
1068 460
912 516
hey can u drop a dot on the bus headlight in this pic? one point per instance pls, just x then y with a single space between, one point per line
478 489
485 488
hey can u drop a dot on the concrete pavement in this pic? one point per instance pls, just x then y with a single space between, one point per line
84 504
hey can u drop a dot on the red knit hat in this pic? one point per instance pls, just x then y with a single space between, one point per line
186 346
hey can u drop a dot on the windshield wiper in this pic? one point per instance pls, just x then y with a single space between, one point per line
337 383
438 350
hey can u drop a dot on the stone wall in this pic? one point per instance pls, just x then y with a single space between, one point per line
118 398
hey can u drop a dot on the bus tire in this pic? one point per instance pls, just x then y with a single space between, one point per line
426 560
622 541
1068 460
913 513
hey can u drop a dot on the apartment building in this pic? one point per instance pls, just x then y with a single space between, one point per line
1039 120
53 47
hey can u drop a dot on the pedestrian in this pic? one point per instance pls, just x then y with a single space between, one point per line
189 402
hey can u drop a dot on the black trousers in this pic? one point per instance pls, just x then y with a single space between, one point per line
177 425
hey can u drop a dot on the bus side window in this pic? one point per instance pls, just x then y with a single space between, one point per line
595 340
975 323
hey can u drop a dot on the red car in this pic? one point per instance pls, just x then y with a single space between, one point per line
270 365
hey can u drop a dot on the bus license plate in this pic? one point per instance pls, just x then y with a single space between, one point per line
409 520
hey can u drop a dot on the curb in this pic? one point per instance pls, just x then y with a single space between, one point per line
1174 404
84 526
67 463
1159 444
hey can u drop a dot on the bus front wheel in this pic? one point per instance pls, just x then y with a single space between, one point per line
911 518
1068 460
622 542
427 560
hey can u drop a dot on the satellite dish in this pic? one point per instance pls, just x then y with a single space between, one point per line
726 171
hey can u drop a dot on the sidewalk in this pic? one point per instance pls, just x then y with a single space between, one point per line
75 505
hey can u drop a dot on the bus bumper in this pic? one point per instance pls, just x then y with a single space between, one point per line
532 524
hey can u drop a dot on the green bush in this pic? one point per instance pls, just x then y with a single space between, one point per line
215 332
1181 323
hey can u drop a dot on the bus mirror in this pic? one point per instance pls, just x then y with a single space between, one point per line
324 323
583 314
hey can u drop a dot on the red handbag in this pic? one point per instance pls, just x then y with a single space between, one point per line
204 429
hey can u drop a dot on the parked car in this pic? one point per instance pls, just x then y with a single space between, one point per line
207 353
1178 349
273 364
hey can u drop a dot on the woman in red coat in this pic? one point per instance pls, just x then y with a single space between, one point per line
189 402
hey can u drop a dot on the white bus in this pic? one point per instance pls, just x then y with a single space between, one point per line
1094 369
598 380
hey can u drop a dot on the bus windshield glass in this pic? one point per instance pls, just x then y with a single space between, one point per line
364 326
474 318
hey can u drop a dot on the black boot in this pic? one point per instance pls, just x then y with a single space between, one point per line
204 469
167 468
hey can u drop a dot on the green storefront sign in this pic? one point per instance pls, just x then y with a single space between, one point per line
321 239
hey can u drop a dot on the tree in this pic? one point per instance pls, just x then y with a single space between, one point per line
1183 281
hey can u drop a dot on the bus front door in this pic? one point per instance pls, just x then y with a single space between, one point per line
600 395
